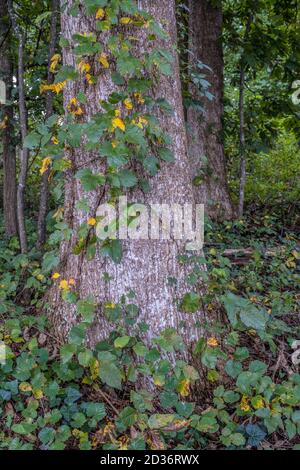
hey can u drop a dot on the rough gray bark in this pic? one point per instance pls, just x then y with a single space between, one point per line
44 193
24 153
206 147
8 147
146 265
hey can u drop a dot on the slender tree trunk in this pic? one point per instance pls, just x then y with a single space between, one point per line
242 143
8 147
242 140
206 148
24 154
44 194
147 265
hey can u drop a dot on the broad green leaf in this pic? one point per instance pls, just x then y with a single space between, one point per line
67 351
32 140
190 302
89 180
121 342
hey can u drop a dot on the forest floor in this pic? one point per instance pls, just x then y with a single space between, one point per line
246 382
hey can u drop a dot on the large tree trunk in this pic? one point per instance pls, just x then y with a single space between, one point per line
147 265
6 118
206 147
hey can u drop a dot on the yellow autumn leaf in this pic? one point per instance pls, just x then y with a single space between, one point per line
158 380
108 429
100 13
123 442
290 263
110 305
81 435
87 35
54 61
74 107
64 284
92 221
103 60
125 20
38 393
244 404
184 387
212 342
25 387
118 123
258 402
78 111
3 123
89 79
140 122
59 213
55 87
83 66
128 103
46 162
94 368
55 276
55 58
139 98
86 380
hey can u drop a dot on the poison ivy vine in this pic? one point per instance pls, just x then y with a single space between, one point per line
125 133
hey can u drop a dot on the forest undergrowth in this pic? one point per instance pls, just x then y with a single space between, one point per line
240 390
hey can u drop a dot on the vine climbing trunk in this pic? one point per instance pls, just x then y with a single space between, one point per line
6 126
149 268
206 148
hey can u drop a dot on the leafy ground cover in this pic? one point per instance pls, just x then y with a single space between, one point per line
241 390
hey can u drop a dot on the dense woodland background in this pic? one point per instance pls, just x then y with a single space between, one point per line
139 344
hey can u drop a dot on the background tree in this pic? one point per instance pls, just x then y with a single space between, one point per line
24 153
205 127
6 125
261 49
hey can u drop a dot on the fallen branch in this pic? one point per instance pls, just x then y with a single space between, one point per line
243 255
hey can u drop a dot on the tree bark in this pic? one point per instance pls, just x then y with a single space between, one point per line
242 139
24 153
146 265
8 146
44 194
242 142
206 148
